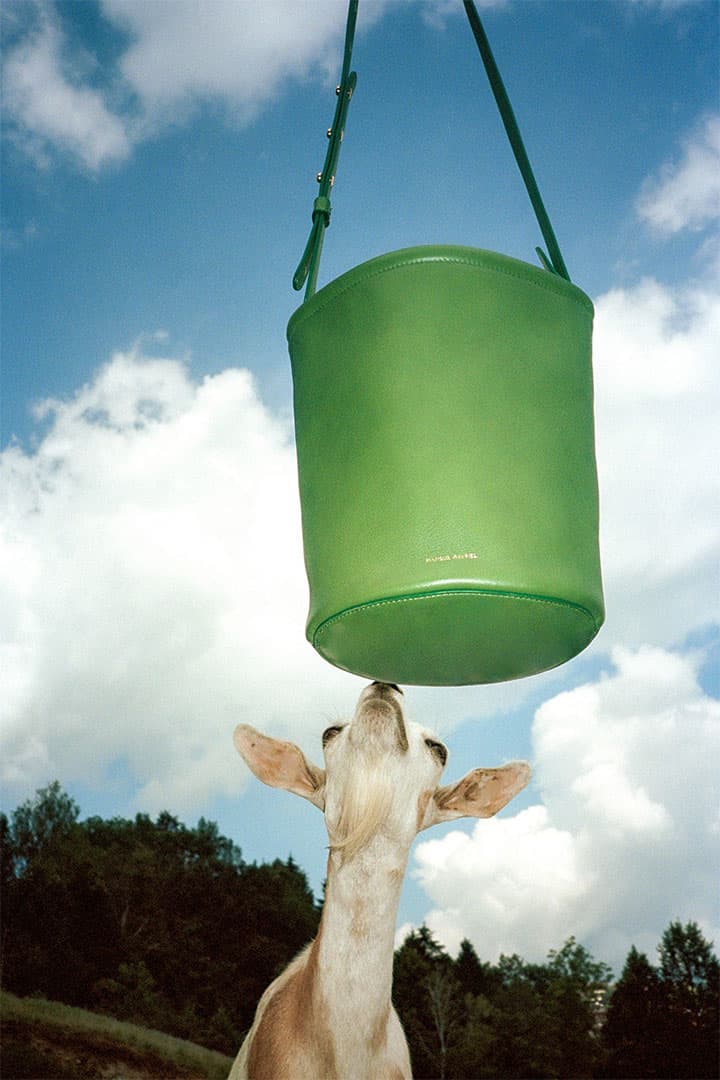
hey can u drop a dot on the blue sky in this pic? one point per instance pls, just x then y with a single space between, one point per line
158 175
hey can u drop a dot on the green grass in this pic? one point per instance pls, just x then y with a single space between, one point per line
49 1020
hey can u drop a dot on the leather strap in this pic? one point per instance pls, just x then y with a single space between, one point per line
555 263
309 264
310 261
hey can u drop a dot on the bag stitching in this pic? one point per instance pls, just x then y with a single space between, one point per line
586 305
360 608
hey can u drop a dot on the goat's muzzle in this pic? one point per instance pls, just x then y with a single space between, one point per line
379 719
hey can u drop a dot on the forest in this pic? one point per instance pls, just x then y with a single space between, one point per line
168 926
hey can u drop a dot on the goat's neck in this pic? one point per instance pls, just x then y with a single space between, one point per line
355 943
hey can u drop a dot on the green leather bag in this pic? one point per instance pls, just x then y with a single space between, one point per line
444 426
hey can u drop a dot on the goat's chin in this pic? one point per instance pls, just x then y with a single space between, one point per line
366 801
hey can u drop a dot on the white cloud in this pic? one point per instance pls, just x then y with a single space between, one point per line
436 13
626 837
48 107
153 588
239 53
657 402
180 53
686 194
475 881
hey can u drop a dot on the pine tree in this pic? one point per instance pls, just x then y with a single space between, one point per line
664 1023
690 978
630 1034
474 977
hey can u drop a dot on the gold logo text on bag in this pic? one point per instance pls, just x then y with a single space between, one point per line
450 558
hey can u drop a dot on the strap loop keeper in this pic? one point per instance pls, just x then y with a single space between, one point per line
322 207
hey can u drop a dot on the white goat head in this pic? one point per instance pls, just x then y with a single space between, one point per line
380 784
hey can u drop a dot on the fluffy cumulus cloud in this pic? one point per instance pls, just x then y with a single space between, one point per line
657 400
177 55
686 193
153 588
239 53
625 837
47 105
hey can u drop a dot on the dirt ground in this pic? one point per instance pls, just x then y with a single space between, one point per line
29 1054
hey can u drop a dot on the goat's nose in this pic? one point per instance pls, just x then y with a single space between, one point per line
392 685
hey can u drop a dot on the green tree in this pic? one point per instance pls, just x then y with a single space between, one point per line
473 1056
664 1022
55 930
150 920
523 1044
577 987
690 979
546 1016
427 996
445 1006
634 1017
471 1053
7 852
475 977
42 820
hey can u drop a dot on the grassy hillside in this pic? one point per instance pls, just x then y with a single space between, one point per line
43 1040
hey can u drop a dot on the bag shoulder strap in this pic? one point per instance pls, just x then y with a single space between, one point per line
310 263
556 263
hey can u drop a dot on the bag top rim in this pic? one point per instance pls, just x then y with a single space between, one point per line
434 255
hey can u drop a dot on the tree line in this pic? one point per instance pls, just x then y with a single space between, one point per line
168 926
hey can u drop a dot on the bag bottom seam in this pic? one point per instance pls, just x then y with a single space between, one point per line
371 605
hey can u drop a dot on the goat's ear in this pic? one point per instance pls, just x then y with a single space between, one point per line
280 764
479 794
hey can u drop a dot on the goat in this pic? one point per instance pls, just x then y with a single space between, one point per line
329 1015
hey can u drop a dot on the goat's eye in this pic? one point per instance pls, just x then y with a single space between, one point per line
438 750
330 733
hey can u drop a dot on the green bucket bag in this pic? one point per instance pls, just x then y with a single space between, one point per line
443 407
